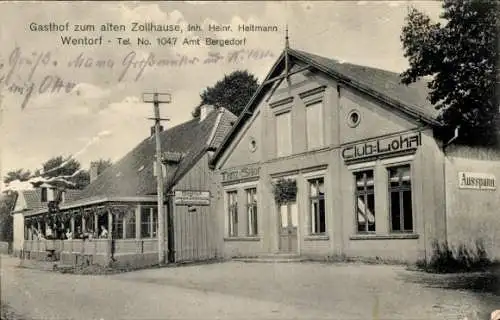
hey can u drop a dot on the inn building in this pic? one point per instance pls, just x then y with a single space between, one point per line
332 159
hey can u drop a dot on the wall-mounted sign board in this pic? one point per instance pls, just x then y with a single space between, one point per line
382 146
477 181
241 173
191 198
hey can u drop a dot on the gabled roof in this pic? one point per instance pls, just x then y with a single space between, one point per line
382 85
71 194
33 198
412 98
133 174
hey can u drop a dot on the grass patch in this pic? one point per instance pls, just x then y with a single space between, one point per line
115 268
6 313
463 258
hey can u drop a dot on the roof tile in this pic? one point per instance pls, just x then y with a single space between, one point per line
133 174
413 96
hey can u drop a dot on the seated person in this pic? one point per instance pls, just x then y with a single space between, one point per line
49 233
104 232
78 233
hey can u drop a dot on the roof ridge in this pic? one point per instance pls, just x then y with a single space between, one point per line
347 62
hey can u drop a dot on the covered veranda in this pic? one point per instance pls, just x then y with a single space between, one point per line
95 232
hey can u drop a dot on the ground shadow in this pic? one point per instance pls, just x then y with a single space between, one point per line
479 282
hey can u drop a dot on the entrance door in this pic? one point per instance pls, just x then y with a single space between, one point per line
289 221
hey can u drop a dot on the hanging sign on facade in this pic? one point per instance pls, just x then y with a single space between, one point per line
478 181
191 198
383 146
241 173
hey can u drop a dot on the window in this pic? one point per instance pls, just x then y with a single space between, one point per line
43 195
283 134
50 194
353 118
118 226
130 226
252 211
317 205
314 119
365 201
252 146
89 221
149 220
400 199
233 213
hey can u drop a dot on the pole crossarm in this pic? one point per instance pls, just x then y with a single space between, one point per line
160 119
152 97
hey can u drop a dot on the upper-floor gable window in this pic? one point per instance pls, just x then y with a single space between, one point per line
47 194
314 124
283 134
44 195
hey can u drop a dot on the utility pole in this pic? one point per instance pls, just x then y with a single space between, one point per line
156 99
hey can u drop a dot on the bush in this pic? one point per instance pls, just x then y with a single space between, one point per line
285 190
464 259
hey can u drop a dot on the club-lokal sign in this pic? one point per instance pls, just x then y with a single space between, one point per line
382 146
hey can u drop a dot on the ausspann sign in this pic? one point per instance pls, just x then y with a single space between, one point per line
477 181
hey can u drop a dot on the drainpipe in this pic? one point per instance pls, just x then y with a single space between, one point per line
455 137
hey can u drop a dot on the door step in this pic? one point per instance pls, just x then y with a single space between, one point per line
272 258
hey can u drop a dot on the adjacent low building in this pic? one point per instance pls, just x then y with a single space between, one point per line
117 214
37 198
335 159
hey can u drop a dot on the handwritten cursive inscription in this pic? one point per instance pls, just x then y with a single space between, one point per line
17 73
19 64
131 62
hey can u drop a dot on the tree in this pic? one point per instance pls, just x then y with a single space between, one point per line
19 174
102 165
461 58
6 222
59 166
233 92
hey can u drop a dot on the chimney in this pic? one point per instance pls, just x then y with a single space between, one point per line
94 166
205 110
153 130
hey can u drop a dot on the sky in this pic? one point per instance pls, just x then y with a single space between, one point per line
86 100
